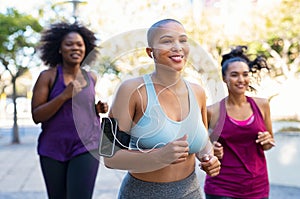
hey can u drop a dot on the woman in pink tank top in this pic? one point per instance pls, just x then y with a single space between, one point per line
241 131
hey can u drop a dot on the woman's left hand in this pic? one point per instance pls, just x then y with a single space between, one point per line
101 107
265 139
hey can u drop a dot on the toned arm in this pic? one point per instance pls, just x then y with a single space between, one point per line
266 138
42 109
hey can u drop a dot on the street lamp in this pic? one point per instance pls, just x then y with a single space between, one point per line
75 4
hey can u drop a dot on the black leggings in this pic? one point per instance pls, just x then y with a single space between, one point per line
71 179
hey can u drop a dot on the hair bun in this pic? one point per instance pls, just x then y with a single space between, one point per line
238 51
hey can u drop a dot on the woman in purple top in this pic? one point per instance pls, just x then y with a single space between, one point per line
241 131
63 102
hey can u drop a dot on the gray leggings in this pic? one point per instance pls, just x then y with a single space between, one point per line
209 196
133 188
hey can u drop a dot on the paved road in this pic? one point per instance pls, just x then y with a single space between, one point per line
20 175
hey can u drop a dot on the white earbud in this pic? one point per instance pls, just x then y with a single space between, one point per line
152 54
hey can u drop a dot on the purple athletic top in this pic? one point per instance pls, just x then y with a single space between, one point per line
243 171
75 128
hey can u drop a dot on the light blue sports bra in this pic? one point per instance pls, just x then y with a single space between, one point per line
155 129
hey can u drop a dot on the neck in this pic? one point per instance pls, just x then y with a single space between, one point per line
167 80
70 69
236 100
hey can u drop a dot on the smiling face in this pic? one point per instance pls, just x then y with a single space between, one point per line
72 49
170 46
237 77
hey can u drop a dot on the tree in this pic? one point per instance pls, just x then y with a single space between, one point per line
283 40
18 37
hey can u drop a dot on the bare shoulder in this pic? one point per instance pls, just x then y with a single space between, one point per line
48 72
198 89
44 83
93 75
125 99
213 108
213 112
261 102
47 75
130 85
128 89
199 94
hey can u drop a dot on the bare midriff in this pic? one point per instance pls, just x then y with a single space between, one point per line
171 173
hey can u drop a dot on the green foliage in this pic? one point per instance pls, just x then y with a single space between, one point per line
274 34
15 29
18 37
284 22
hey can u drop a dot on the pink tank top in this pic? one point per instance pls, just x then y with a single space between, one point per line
243 171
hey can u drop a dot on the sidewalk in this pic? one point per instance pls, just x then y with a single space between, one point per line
21 178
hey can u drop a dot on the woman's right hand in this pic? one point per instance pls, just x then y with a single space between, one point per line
211 165
174 152
72 89
218 150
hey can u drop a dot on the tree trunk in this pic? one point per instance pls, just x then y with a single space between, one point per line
15 136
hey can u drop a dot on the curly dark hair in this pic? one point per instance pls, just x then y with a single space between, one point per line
239 54
51 39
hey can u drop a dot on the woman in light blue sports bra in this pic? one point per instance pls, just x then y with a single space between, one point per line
166 118
155 129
